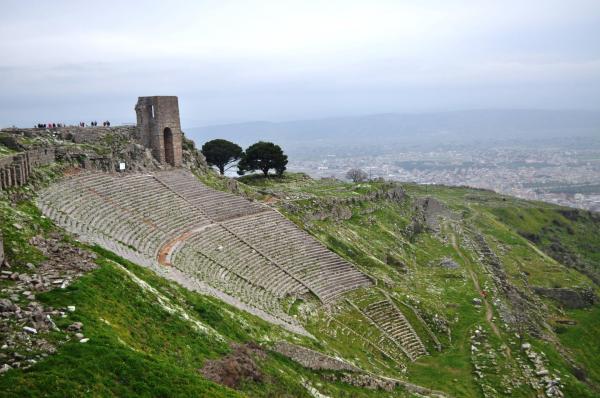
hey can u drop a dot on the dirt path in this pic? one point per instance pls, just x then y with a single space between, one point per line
165 250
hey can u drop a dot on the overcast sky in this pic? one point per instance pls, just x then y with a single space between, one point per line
231 61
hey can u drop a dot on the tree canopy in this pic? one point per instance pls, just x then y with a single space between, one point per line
356 175
221 153
263 156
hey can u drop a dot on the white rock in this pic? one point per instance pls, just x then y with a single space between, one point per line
526 346
5 368
84 340
71 308
29 330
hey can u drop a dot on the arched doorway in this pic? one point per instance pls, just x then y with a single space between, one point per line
169 149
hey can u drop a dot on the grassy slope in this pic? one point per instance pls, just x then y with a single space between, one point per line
136 347
376 229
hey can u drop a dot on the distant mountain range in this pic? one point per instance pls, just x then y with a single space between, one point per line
458 127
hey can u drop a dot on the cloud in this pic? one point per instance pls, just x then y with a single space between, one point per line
240 60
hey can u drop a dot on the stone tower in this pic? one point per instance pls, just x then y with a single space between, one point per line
159 127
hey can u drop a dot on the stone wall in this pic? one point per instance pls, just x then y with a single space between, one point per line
90 135
16 169
76 134
312 359
569 298
159 128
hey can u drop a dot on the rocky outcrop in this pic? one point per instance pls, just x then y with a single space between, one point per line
523 309
447 262
427 217
431 210
312 359
540 376
340 208
24 322
194 160
106 149
333 213
569 298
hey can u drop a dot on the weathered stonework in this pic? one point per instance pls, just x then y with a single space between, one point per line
16 169
159 128
91 135
569 298
312 359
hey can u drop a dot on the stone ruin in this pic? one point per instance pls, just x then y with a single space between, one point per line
159 128
16 169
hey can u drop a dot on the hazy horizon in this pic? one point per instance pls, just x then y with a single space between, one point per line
282 61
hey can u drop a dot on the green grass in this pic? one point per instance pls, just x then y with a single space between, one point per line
137 348
134 346
377 230
579 336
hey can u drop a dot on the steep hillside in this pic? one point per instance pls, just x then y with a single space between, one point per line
79 321
478 273
469 293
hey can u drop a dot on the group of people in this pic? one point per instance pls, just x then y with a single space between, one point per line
49 125
106 123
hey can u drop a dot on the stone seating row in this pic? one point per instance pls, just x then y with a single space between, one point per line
206 269
258 245
136 217
215 204
387 317
145 195
230 251
321 270
105 217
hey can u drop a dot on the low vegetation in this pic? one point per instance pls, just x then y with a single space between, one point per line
428 250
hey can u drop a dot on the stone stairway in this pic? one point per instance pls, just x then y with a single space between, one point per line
395 325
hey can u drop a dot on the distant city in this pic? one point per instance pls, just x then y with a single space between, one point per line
547 155
564 177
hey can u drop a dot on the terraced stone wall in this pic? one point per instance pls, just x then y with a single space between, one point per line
77 134
16 169
169 220
88 135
